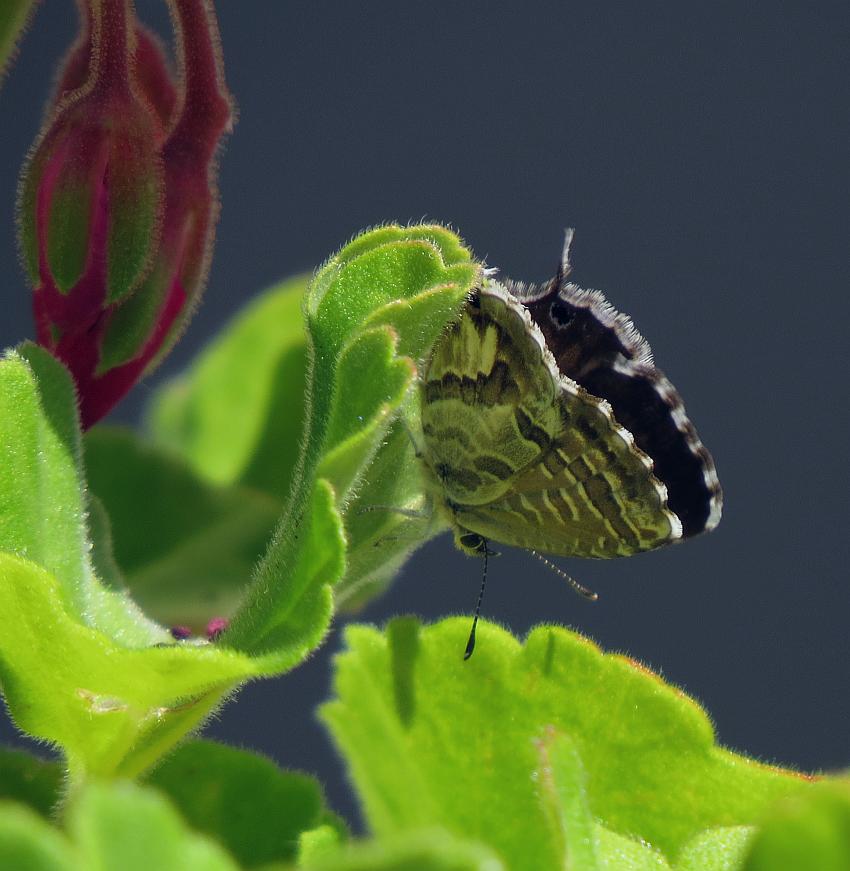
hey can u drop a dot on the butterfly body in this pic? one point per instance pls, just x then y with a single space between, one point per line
523 446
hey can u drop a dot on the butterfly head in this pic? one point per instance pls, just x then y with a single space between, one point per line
471 543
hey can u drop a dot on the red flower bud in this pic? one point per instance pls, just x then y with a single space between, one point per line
152 78
117 203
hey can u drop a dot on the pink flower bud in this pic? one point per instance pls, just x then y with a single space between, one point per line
118 204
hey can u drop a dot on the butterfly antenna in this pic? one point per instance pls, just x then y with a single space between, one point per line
579 588
565 267
470 645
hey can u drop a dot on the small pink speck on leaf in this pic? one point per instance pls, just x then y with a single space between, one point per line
216 626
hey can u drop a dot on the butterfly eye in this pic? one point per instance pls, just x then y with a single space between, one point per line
561 313
472 542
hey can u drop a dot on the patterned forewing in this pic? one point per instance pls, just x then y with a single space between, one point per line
527 458
478 384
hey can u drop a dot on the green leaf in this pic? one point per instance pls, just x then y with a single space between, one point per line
359 417
82 666
432 740
292 603
348 415
380 537
243 800
185 547
561 781
42 502
720 849
14 17
248 383
43 517
111 708
432 850
102 551
317 844
805 831
28 843
373 311
616 852
31 781
124 826
79 663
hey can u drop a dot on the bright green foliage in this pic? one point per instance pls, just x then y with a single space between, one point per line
543 755
720 849
116 826
380 540
112 708
806 831
498 748
79 663
371 279
42 502
257 366
82 666
30 781
317 844
249 384
186 547
28 843
432 850
14 15
124 826
242 800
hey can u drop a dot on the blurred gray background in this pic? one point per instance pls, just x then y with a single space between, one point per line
700 151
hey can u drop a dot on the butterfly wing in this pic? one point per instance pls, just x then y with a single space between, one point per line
525 456
480 387
600 349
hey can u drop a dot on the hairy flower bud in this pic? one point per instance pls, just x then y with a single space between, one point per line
117 202
152 78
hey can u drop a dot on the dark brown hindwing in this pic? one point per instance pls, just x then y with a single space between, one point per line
600 349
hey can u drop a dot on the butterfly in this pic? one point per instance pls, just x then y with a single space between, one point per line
546 425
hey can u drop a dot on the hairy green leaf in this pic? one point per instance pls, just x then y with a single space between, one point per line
186 548
111 708
805 831
359 417
356 383
31 781
42 501
476 747
28 843
373 311
380 536
432 850
720 849
81 665
241 799
134 829
248 384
